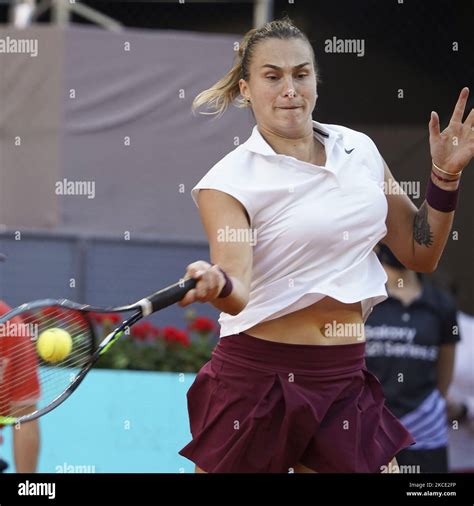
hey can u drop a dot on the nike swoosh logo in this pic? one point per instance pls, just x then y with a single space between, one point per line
349 151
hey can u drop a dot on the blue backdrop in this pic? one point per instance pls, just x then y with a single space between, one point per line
117 421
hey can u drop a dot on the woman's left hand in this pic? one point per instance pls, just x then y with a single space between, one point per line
453 148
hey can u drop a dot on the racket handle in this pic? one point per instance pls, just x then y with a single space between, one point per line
167 296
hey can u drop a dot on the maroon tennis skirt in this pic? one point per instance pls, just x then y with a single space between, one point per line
260 406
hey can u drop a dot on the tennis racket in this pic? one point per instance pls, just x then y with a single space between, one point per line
31 383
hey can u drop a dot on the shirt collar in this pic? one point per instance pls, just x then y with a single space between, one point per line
257 144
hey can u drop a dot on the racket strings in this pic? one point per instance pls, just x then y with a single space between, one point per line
49 375
39 323
73 330
21 352
25 374
78 355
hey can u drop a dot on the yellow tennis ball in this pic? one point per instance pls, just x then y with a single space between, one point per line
54 344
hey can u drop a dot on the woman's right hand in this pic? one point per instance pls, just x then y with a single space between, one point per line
209 285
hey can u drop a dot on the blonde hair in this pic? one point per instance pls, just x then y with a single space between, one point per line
226 90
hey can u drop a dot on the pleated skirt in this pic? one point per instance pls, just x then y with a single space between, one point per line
259 406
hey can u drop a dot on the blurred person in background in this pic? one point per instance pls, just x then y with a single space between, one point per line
461 401
411 339
26 437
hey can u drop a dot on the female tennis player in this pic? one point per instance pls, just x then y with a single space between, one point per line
292 216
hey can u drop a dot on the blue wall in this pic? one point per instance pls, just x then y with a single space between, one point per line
117 421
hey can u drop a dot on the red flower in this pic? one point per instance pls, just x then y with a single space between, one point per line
174 335
96 317
139 328
110 318
138 332
155 332
183 339
202 324
169 333
148 326
144 331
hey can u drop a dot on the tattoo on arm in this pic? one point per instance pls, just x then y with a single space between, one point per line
421 228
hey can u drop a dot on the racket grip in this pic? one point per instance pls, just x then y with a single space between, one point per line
168 296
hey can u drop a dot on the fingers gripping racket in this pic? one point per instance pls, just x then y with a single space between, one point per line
47 347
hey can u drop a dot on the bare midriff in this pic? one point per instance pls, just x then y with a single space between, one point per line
326 322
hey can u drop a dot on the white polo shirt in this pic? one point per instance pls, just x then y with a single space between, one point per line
313 228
